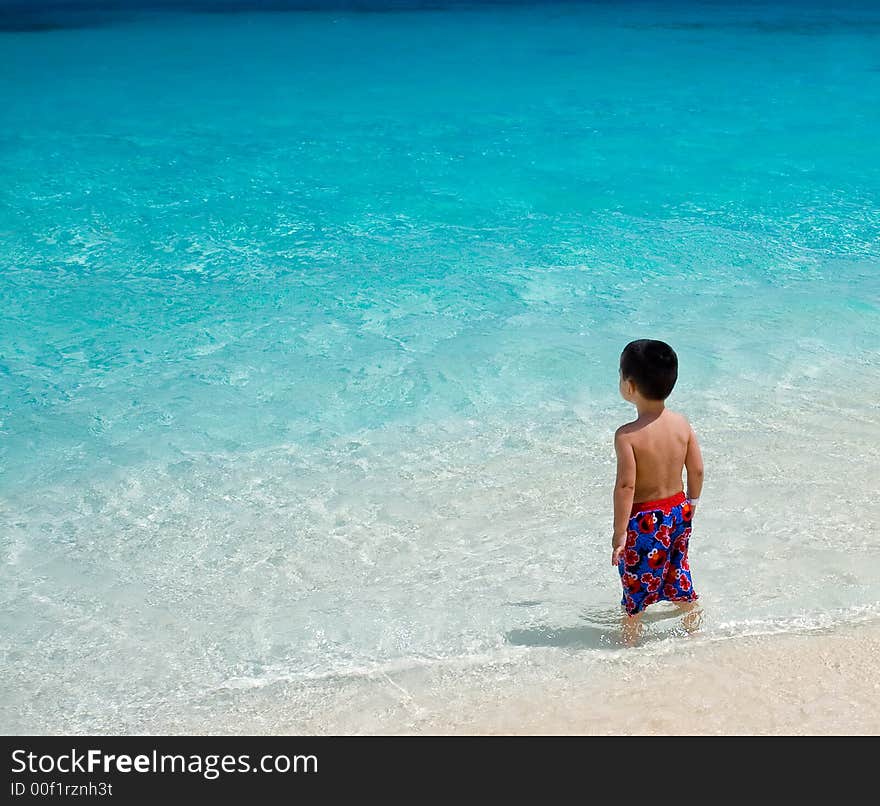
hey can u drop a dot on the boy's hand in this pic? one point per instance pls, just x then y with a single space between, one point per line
618 543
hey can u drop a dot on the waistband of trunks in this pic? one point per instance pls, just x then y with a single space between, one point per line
661 503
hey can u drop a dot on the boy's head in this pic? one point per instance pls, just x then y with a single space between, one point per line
649 368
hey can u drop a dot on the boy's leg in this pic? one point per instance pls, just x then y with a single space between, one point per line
631 628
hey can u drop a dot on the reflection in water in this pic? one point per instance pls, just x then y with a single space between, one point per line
605 629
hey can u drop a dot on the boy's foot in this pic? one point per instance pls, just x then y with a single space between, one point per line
692 616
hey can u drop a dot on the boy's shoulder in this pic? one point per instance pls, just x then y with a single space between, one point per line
626 428
676 420
679 417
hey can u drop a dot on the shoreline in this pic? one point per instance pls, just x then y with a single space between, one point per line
818 683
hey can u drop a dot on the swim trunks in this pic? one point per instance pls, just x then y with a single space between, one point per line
654 565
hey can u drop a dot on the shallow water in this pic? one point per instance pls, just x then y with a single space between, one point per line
311 321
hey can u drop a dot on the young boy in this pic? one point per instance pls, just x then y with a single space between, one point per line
652 514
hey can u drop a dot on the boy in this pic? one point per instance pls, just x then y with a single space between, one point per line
652 514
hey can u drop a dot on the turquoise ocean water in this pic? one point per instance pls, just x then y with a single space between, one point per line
310 323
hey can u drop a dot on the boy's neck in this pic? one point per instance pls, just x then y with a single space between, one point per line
650 408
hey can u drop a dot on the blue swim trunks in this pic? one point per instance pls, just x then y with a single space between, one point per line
654 565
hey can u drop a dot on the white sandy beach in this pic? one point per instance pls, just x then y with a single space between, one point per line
820 683
814 683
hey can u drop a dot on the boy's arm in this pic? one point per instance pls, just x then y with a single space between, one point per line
624 488
693 462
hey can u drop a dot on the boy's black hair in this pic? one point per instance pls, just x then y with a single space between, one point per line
651 365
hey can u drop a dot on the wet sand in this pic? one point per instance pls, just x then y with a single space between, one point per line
817 683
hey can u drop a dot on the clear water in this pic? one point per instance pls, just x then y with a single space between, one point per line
310 323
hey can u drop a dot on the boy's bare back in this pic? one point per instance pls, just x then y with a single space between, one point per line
662 446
